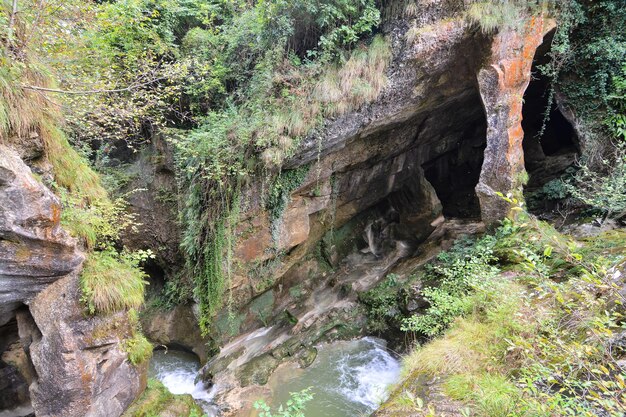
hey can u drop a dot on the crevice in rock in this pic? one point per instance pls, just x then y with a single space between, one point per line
546 154
156 277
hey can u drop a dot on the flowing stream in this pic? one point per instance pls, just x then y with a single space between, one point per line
348 379
177 370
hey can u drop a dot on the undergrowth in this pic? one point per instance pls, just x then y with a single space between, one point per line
540 338
287 101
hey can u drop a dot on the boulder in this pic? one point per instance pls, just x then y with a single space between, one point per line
176 327
81 367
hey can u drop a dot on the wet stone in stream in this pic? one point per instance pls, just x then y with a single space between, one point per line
347 378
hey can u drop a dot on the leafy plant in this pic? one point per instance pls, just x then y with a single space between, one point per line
294 407
455 275
382 303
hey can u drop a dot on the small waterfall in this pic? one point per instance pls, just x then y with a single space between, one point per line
177 370
347 379
365 375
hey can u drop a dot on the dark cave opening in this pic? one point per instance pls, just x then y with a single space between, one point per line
550 143
156 277
455 174
15 371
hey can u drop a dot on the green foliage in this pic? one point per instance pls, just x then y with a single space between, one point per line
294 407
111 281
279 195
588 56
176 291
554 190
273 109
138 348
603 187
99 223
455 275
491 15
540 340
382 303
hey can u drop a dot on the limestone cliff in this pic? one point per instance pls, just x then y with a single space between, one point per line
73 364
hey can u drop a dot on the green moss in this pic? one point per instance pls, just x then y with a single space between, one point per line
262 306
157 401
280 194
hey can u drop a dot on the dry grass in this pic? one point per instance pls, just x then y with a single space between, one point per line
341 89
111 282
71 171
359 81
460 351
22 111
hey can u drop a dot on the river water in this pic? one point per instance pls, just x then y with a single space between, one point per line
347 379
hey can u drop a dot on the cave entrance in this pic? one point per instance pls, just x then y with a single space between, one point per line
156 278
550 144
455 173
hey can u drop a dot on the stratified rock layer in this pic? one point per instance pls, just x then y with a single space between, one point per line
74 365
34 249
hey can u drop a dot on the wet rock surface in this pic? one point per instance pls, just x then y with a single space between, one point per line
176 327
442 139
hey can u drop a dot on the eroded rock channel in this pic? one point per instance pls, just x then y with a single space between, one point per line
381 191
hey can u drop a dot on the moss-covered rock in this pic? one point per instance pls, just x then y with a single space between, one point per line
258 370
158 401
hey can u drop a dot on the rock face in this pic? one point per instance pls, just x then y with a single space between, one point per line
64 363
152 198
176 327
34 249
503 82
80 366
443 138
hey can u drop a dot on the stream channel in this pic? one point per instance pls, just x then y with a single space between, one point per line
347 379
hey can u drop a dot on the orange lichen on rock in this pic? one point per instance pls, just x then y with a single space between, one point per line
503 81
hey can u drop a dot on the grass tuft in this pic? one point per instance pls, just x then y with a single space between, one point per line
157 400
112 282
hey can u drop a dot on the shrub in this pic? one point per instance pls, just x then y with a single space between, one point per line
603 187
111 282
382 303
454 276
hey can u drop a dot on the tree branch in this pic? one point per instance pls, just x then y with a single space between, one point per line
84 92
